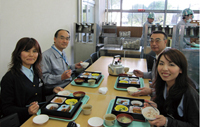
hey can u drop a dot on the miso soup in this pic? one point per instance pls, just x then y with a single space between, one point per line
124 119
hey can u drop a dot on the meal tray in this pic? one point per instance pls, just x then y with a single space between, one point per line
124 88
129 80
84 101
116 124
127 102
62 106
85 84
90 76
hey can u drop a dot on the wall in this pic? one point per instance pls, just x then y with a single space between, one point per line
33 18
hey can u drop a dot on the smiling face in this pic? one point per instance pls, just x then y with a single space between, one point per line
62 40
158 42
168 70
29 57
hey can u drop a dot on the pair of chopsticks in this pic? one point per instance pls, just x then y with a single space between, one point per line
152 106
38 104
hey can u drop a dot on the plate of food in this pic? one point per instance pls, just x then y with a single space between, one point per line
121 108
52 106
133 109
136 103
59 100
71 101
123 81
122 101
65 108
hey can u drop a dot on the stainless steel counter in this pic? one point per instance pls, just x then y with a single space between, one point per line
111 51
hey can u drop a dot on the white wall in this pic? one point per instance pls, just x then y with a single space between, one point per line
33 18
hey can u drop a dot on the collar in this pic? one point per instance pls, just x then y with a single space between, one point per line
56 52
160 53
26 69
57 49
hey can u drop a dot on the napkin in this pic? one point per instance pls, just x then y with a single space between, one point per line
103 90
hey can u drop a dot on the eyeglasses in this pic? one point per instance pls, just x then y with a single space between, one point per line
156 40
63 38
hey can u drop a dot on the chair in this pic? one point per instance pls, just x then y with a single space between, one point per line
10 121
94 57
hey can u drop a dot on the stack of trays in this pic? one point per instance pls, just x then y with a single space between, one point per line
90 75
126 81
62 106
130 106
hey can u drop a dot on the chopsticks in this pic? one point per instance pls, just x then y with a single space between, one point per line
152 105
38 104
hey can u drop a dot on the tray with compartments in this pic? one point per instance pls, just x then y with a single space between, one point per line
126 81
90 75
130 106
62 106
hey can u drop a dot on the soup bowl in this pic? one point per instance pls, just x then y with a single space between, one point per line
79 94
124 119
79 81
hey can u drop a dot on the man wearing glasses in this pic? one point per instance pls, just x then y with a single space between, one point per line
158 41
55 67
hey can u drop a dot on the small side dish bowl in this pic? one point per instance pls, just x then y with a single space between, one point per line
124 119
136 103
79 81
40 119
132 90
64 93
150 113
52 106
84 64
91 82
79 94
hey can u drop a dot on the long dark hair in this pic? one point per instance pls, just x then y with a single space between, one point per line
182 83
25 44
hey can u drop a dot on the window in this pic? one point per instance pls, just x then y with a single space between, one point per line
167 12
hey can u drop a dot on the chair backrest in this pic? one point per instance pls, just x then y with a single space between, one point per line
94 57
10 121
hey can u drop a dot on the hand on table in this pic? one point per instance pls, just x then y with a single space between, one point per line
33 109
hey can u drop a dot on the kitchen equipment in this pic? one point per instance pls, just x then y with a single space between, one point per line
116 68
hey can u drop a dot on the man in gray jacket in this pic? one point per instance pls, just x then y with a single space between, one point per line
158 45
55 67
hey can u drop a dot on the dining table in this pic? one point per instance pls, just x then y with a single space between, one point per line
100 102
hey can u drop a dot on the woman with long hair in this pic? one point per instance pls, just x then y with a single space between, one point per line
22 85
176 99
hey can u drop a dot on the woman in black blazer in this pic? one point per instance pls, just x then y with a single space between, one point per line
22 84
176 98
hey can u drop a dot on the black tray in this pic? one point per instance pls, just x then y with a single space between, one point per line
97 78
129 84
136 116
55 112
